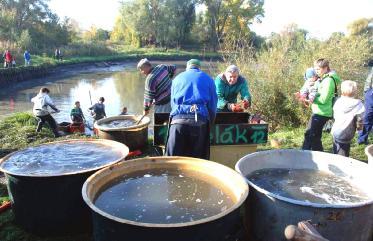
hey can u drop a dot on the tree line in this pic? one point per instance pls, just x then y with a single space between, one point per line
196 24
30 24
178 23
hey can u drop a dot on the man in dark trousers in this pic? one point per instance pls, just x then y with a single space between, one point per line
41 102
193 110
368 116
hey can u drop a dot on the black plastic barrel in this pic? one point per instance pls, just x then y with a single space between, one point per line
214 228
53 205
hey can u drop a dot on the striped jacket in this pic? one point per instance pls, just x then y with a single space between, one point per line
158 85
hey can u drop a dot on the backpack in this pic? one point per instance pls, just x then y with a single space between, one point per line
329 124
335 91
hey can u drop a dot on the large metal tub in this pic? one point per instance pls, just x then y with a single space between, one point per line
135 137
267 214
369 153
53 204
107 227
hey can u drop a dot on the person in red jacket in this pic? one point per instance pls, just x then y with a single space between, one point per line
7 59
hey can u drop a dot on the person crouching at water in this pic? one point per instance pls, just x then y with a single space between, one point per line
76 113
98 109
41 102
193 103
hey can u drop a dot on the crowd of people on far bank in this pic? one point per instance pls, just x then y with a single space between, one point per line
193 98
9 59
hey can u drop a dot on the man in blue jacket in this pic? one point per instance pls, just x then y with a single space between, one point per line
193 110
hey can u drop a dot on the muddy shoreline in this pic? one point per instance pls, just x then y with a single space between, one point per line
13 76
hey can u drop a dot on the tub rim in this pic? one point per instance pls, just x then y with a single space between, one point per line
144 123
123 148
294 201
366 151
94 208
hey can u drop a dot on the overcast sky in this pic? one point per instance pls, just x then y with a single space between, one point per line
319 17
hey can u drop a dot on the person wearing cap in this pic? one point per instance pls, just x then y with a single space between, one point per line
157 85
193 110
228 85
309 89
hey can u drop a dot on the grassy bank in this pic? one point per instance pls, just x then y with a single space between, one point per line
293 139
120 54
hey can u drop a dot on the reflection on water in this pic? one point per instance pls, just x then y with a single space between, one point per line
120 85
308 185
123 88
60 158
163 196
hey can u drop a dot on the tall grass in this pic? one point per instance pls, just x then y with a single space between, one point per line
276 72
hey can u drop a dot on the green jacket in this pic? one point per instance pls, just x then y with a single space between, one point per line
323 103
228 93
77 112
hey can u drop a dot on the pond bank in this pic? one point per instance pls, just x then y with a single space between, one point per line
20 74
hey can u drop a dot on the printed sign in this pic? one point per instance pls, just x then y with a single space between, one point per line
224 134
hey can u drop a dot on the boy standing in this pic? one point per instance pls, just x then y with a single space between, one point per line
98 109
347 112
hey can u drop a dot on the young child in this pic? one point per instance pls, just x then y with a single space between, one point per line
98 109
76 113
124 111
308 91
347 112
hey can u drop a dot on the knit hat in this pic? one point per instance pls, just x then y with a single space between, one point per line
142 62
193 63
310 72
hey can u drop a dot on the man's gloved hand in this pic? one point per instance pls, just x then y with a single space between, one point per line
246 104
236 108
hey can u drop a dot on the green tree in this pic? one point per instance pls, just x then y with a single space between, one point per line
43 26
361 26
231 18
25 40
182 15
155 22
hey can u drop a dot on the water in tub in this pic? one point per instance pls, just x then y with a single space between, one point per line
308 185
163 197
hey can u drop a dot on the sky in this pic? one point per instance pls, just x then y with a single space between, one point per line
319 17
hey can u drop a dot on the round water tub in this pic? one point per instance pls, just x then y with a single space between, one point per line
268 214
369 153
110 226
45 182
134 136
